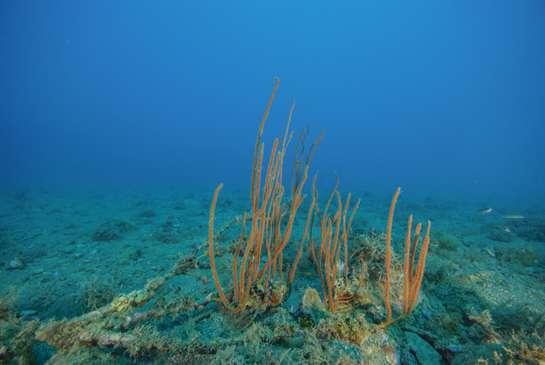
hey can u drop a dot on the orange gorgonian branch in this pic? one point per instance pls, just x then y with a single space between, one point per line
333 240
252 277
412 279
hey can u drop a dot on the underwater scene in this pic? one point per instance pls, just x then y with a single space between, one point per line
306 182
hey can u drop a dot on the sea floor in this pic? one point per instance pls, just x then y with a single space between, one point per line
66 256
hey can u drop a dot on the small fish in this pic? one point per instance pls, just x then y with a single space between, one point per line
490 252
513 216
484 211
505 229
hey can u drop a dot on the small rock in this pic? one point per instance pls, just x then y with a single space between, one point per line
455 348
15 264
28 313
311 301
425 353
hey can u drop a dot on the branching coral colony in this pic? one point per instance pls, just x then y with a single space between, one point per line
254 285
124 323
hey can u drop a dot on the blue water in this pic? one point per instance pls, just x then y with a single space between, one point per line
442 97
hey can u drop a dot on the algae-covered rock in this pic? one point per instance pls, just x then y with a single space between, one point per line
446 241
15 264
310 309
500 235
424 352
169 231
347 328
112 230
311 301
129 254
